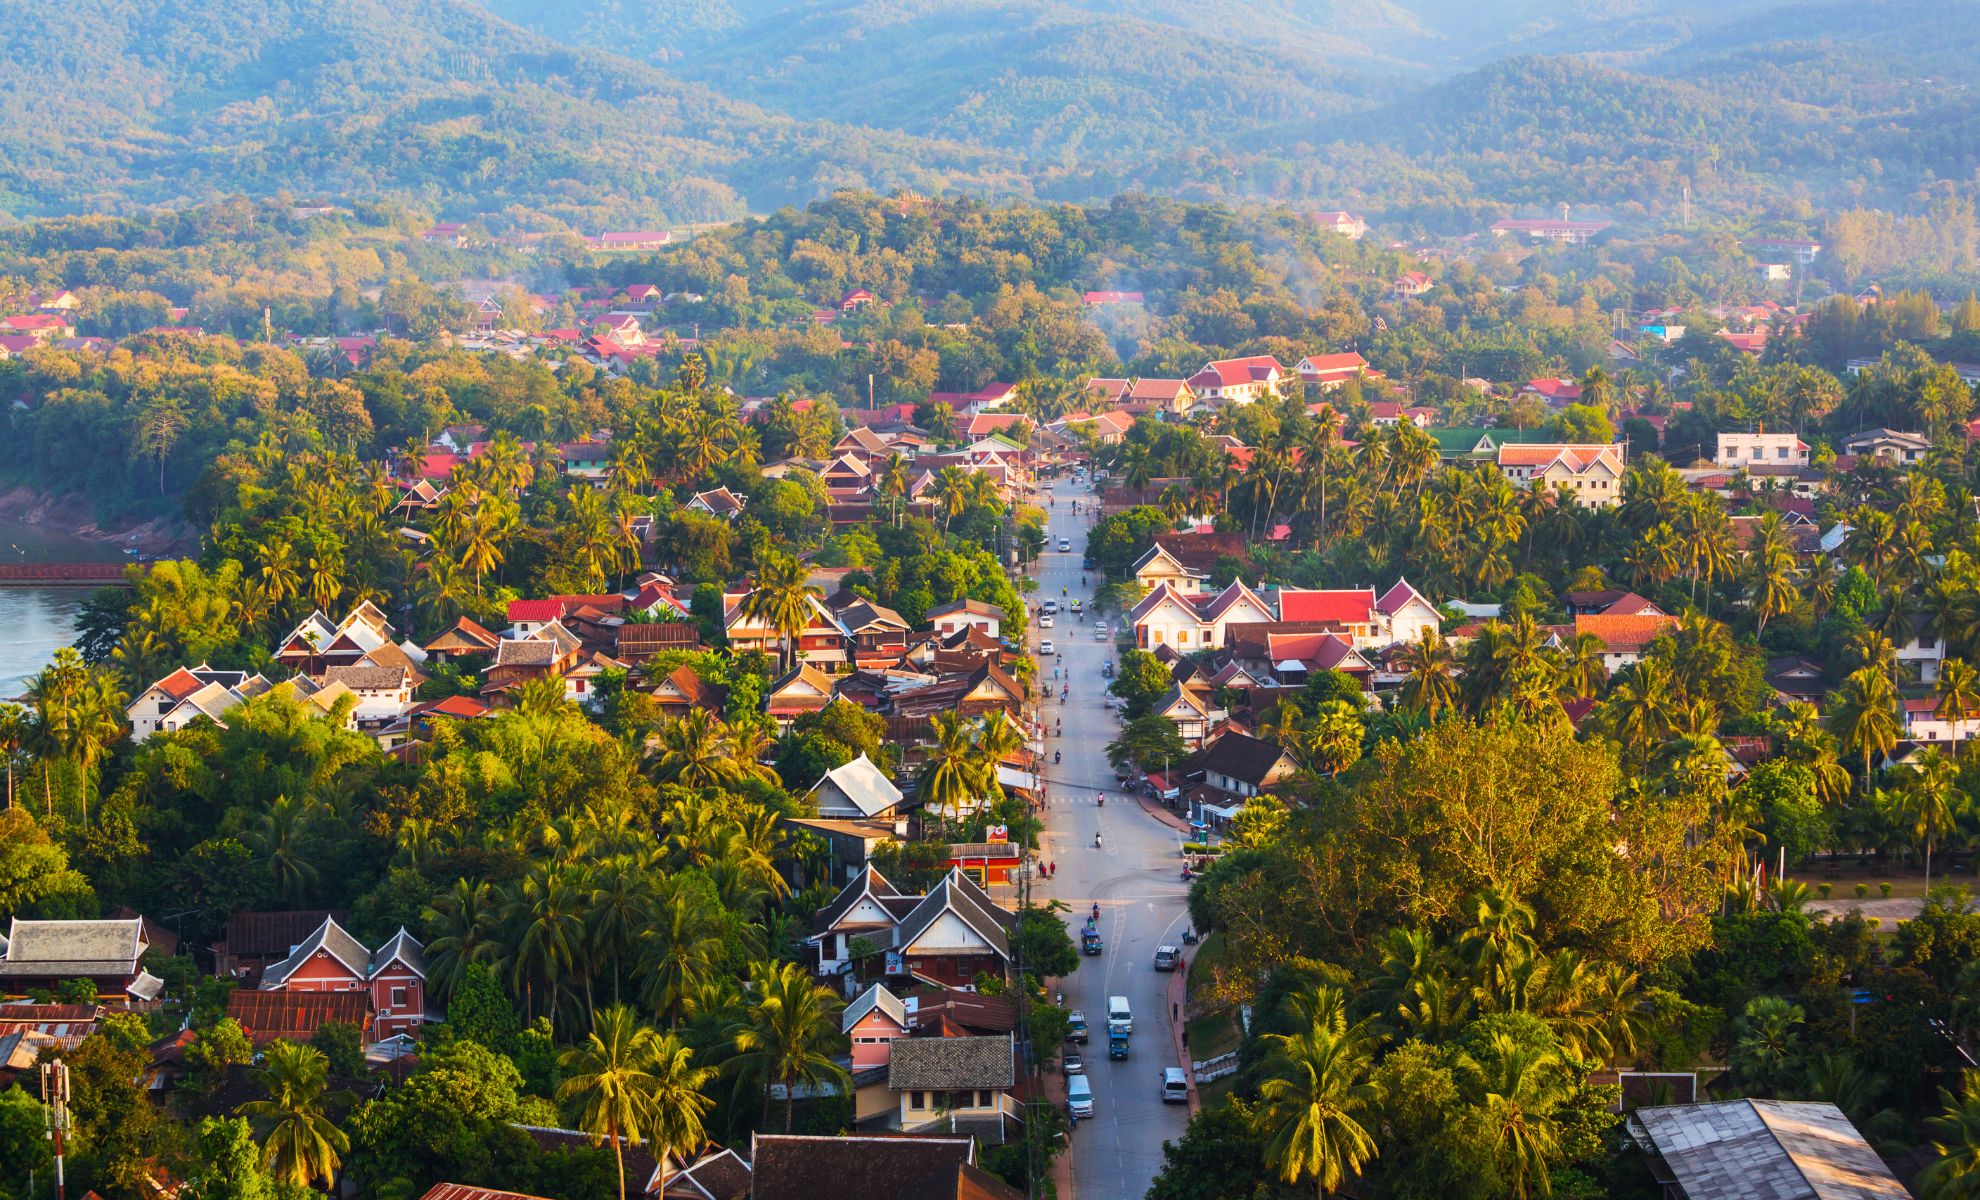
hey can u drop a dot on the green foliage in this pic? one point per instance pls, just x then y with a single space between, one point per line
1140 680
479 1011
1043 944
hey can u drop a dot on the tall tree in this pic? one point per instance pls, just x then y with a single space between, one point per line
300 1141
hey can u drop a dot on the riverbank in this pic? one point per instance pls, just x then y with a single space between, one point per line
73 517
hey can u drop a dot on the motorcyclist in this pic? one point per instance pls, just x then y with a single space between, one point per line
1055 758
1096 841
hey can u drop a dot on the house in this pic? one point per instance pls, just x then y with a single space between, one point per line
822 642
587 462
873 1023
1797 679
1103 299
869 1167
878 634
392 980
462 640
1346 224
1740 1149
452 232
984 399
47 954
1615 601
180 697
1168 617
857 790
1410 284
1159 567
1557 392
383 692
1238 380
1158 397
721 503
1922 650
955 933
1924 724
1624 638
1563 231
1591 473
253 940
956 1085
1887 447
868 909
1107 428
982 690
1328 371
43 327
1409 613
966 614
854 300
682 690
1191 716
1761 449
1234 767
803 689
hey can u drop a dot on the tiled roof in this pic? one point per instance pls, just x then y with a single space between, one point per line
330 937
72 947
535 610
462 1191
1765 1150
957 893
271 934
402 948
941 1064
876 996
973 607
869 882
525 652
1241 756
1393 600
858 1167
294 1016
367 678
1624 632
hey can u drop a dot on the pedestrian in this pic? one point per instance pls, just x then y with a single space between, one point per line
1185 1037
1175 1011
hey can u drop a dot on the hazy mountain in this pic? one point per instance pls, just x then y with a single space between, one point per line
165 101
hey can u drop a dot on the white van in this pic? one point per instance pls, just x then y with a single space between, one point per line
1119 1015
1079 1096
1175 1086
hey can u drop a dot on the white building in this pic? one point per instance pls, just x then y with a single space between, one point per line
1761 450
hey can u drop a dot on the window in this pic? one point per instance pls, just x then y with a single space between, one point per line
983 1099
917 1100
398 997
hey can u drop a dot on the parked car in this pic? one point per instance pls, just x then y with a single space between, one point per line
1071 1061
1079 1096
1047 647
1100 632
1166 958
1076 1024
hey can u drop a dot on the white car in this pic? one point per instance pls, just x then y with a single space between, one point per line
1047 648
1100 632
1050 607
1065 544
1045 620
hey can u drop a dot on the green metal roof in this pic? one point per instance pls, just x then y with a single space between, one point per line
1459 443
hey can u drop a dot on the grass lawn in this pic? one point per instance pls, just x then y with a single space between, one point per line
1217 1031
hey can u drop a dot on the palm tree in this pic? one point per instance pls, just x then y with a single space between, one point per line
1863 715
679 1103
301 1143
782 600
465 919
1955 1175
611 1076
1930 802
1522 1087
545 934
1432 685
279 839
1313 1097
681 949
1957 690
693 750
953 772
790 1034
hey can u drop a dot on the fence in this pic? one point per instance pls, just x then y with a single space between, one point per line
1214 1068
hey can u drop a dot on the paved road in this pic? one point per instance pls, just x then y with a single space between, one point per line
1134 877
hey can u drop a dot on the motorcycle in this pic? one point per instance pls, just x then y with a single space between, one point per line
1189 936
1103 802
1055 758
1188 875
1096 841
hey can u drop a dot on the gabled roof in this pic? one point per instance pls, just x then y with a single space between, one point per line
463 1191
526 652
803 677
400 947
975 608
869 882
864 784
1231 372
879 997
855 1167
294 1016
330 938
720 501
1165 560
957 893
1234 593
1620 633
1398 597
865 614
1179 702
1161 593
1241 756
367 678
463 634
1764 1150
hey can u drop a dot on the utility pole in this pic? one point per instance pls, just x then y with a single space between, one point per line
55 1097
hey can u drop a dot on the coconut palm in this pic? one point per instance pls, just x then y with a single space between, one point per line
300 1143
680 949
790 1034
952 774
1863 716
677 1091
1930 803
1957 690
782 600
1430 664
611 1077
1312 1104
1522 1086
1955 1175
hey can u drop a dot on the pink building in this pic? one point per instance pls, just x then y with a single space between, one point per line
873 1022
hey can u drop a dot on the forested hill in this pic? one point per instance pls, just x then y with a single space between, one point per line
605 113
106 104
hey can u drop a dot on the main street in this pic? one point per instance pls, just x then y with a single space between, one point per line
1134 877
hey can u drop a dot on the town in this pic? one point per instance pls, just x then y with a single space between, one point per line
760 719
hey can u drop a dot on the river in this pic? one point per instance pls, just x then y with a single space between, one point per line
39 621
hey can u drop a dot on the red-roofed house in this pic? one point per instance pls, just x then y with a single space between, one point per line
1591 473
1331 370
1096 299
1238 380
1624 638
12 344
989 396
1411 284
642 292
1557 392
45 326
856 299
447 231
632 240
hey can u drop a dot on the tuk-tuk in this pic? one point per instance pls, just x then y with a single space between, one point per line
1117 1043
1089 940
